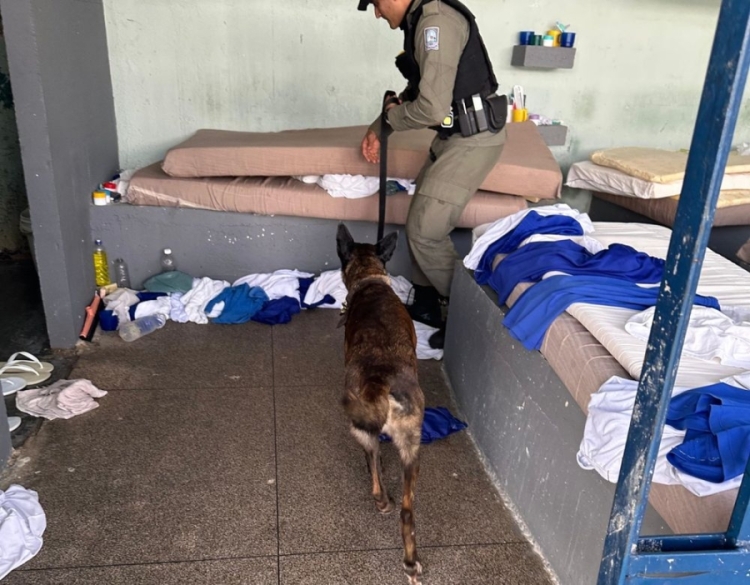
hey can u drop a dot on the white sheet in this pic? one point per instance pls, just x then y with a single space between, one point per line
606 434
591 176
719 278
353 186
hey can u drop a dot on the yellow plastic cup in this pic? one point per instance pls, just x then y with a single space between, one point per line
555 34
520 115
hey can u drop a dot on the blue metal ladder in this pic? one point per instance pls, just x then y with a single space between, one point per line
719 559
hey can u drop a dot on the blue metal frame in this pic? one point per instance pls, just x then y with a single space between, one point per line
697 559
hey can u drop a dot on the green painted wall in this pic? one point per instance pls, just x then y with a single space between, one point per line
180 65
12 189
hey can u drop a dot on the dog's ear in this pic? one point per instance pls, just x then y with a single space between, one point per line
344 244
386 247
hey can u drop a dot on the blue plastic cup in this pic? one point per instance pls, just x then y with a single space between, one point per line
526 37
567 39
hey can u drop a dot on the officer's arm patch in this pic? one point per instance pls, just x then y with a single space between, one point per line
432 38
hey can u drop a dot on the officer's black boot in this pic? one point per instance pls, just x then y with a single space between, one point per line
427 306
437 339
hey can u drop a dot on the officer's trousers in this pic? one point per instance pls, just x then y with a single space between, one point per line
457 168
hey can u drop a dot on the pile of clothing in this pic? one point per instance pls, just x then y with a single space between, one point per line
269 298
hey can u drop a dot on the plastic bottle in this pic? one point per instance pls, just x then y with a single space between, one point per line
122 277
101 266
167 261
133 330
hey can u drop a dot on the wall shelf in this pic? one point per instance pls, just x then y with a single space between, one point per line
543 57
555 135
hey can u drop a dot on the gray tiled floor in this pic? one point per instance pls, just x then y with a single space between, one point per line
221 456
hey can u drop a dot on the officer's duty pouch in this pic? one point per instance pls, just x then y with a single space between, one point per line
496 107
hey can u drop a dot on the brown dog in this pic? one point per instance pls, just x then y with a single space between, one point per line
382 392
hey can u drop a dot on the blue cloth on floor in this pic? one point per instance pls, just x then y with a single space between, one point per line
540 305
530 225
438 423
717 442
278 311
533 261
241 303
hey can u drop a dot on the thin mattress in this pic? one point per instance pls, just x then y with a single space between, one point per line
663 211
526 167
289 197
584 363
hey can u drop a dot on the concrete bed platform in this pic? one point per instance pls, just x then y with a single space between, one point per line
227 246
528 428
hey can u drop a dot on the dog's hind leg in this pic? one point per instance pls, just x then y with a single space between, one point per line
407 439
371 445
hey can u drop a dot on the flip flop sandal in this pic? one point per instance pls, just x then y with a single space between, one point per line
31 361
28 374
12 385
14 422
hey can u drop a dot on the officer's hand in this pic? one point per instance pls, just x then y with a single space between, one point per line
371 147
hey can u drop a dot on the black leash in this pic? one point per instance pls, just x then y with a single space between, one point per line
385 131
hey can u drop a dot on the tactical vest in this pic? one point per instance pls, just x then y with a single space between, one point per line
475 74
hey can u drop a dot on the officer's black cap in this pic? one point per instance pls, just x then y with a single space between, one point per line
363 4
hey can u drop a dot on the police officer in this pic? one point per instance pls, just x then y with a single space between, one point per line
451 89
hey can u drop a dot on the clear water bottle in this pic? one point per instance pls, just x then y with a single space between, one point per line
101 266
167 261
122 277
133 330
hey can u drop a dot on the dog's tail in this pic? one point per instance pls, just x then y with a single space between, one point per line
368 410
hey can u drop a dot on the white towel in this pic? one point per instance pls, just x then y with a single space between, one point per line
488 234
424 351
160 306
119 302
195 301
332 283
353 186
22 524
279 284
177 309
63 399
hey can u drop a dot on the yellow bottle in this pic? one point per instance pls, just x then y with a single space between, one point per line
101 266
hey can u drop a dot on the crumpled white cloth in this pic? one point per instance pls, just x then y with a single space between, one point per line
424 351
119 302
22 524
488 234
63 399
591 244
203 291
606 433
176 309
332 283
160 306
353 186
712 335
279 284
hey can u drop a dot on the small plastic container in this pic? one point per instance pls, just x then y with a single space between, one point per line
133 330
122 276
168 263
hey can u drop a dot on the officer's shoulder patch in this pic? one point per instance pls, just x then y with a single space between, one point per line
432 38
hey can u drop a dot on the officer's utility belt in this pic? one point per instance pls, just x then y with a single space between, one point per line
475 115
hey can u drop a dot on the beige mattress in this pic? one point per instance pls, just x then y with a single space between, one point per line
526 168
290 197
656 165
663 211
583 365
